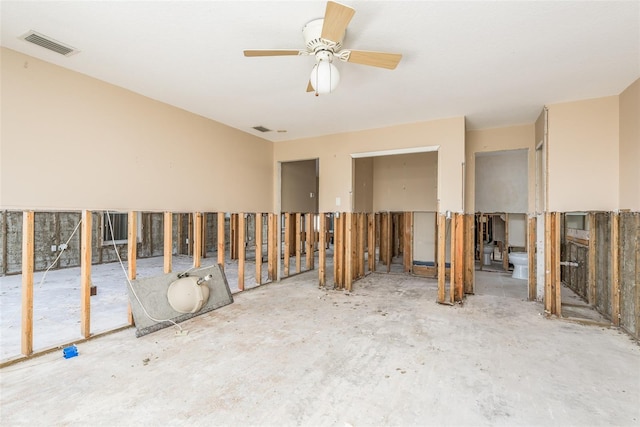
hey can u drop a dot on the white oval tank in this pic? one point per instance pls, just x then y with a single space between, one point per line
185 295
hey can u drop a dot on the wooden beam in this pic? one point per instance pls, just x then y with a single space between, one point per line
481 240
548 296
557 282
441 256
361 234
338 251
469 244
371 243
531 254
85 275
615 269
460 258
258 247
453 261
28 229
168 241
221 228
197 240
309 241
389 240
287 242
407 250
348 248
241 249
272 246
132 254
322 250
298 242
233 236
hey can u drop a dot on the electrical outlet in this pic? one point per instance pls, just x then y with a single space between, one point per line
53 248
62 247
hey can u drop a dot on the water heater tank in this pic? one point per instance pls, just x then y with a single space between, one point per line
187 295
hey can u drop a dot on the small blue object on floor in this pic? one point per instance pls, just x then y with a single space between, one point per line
69 352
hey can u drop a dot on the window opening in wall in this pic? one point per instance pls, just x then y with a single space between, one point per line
120 224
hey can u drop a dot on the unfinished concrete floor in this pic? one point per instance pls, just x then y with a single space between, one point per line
289 353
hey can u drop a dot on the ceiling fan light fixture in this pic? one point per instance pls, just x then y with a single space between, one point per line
324 77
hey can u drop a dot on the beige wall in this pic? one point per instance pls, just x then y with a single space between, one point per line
405 182
583 155
630 147
499 139
299 192
334 152
69 141
363 184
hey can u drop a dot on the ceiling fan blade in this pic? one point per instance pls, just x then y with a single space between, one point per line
336 18
375 59
273 52
309 87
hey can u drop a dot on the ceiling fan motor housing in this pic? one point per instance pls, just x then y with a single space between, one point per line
314 42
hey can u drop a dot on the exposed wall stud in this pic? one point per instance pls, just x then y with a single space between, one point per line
241 249
441 257
322 250
85 275
287 242
258 247
132 254
531 255
298 242
615 269
371 245
469 244
168 241
348 248
460 258
221 227
197 237
591 287
272 246
28 229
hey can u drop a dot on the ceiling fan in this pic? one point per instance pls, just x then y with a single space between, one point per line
323 39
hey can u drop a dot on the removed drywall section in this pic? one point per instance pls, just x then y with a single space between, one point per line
630 147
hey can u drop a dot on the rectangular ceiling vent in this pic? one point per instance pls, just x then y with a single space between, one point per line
49 43
261 129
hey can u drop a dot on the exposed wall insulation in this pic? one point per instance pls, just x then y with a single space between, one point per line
603 263
630 272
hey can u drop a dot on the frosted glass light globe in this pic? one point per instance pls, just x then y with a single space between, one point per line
324 77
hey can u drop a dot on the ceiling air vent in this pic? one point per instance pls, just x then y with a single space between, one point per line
261 129
49 43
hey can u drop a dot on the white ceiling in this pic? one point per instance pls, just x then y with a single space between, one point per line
497 63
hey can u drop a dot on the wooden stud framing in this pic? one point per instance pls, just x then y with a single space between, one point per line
258 248
469 245
85 275
309 241
407 251
241 249
361 243
348 250
452 256
459 255
298 242
168 241
389 241
287 242
615 269
197 240
132 254
221 239
481 240
371 244
591 287
272 246
548 296
338 251
26 334
441 257
557 283
233 236
322 250
531 254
